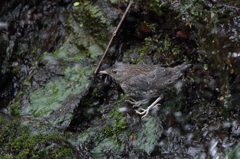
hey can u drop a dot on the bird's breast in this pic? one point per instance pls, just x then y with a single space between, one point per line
139 91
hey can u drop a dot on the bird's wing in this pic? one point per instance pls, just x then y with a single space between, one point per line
150 80
141 82
164 76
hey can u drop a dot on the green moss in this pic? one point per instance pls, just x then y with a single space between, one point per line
167 43
94 51
152 26
16 70
119 124
205 66
40 57
50 97
98 26
26 81
115 1
153 131
156 6
115 125
18 141
172 93
19 93
175 51
2 120
14 109
231 152
97 92
60 151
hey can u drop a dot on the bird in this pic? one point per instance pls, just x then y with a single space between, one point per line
145 82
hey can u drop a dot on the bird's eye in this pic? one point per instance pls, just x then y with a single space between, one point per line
114 71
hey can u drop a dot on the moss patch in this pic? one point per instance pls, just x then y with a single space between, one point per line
17 141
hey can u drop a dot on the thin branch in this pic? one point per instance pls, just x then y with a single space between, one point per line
114 34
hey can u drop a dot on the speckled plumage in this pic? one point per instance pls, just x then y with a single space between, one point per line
145 81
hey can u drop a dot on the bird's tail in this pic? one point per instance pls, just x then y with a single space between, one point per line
182 67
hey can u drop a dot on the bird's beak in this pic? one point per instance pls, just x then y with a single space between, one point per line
103 72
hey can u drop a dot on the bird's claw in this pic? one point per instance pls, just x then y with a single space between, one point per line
146 111
136 103
153 105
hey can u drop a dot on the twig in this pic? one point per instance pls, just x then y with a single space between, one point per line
114 34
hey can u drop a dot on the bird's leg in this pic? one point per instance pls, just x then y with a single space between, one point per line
136 103
153 105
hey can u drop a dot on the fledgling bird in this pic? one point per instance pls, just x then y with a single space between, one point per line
145 81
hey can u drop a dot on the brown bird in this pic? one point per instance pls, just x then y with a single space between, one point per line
145 81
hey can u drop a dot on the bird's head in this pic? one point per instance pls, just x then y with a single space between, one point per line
119 71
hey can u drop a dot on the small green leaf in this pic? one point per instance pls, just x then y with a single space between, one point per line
76 4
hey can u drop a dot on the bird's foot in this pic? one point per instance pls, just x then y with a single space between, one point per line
145 112
136 103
